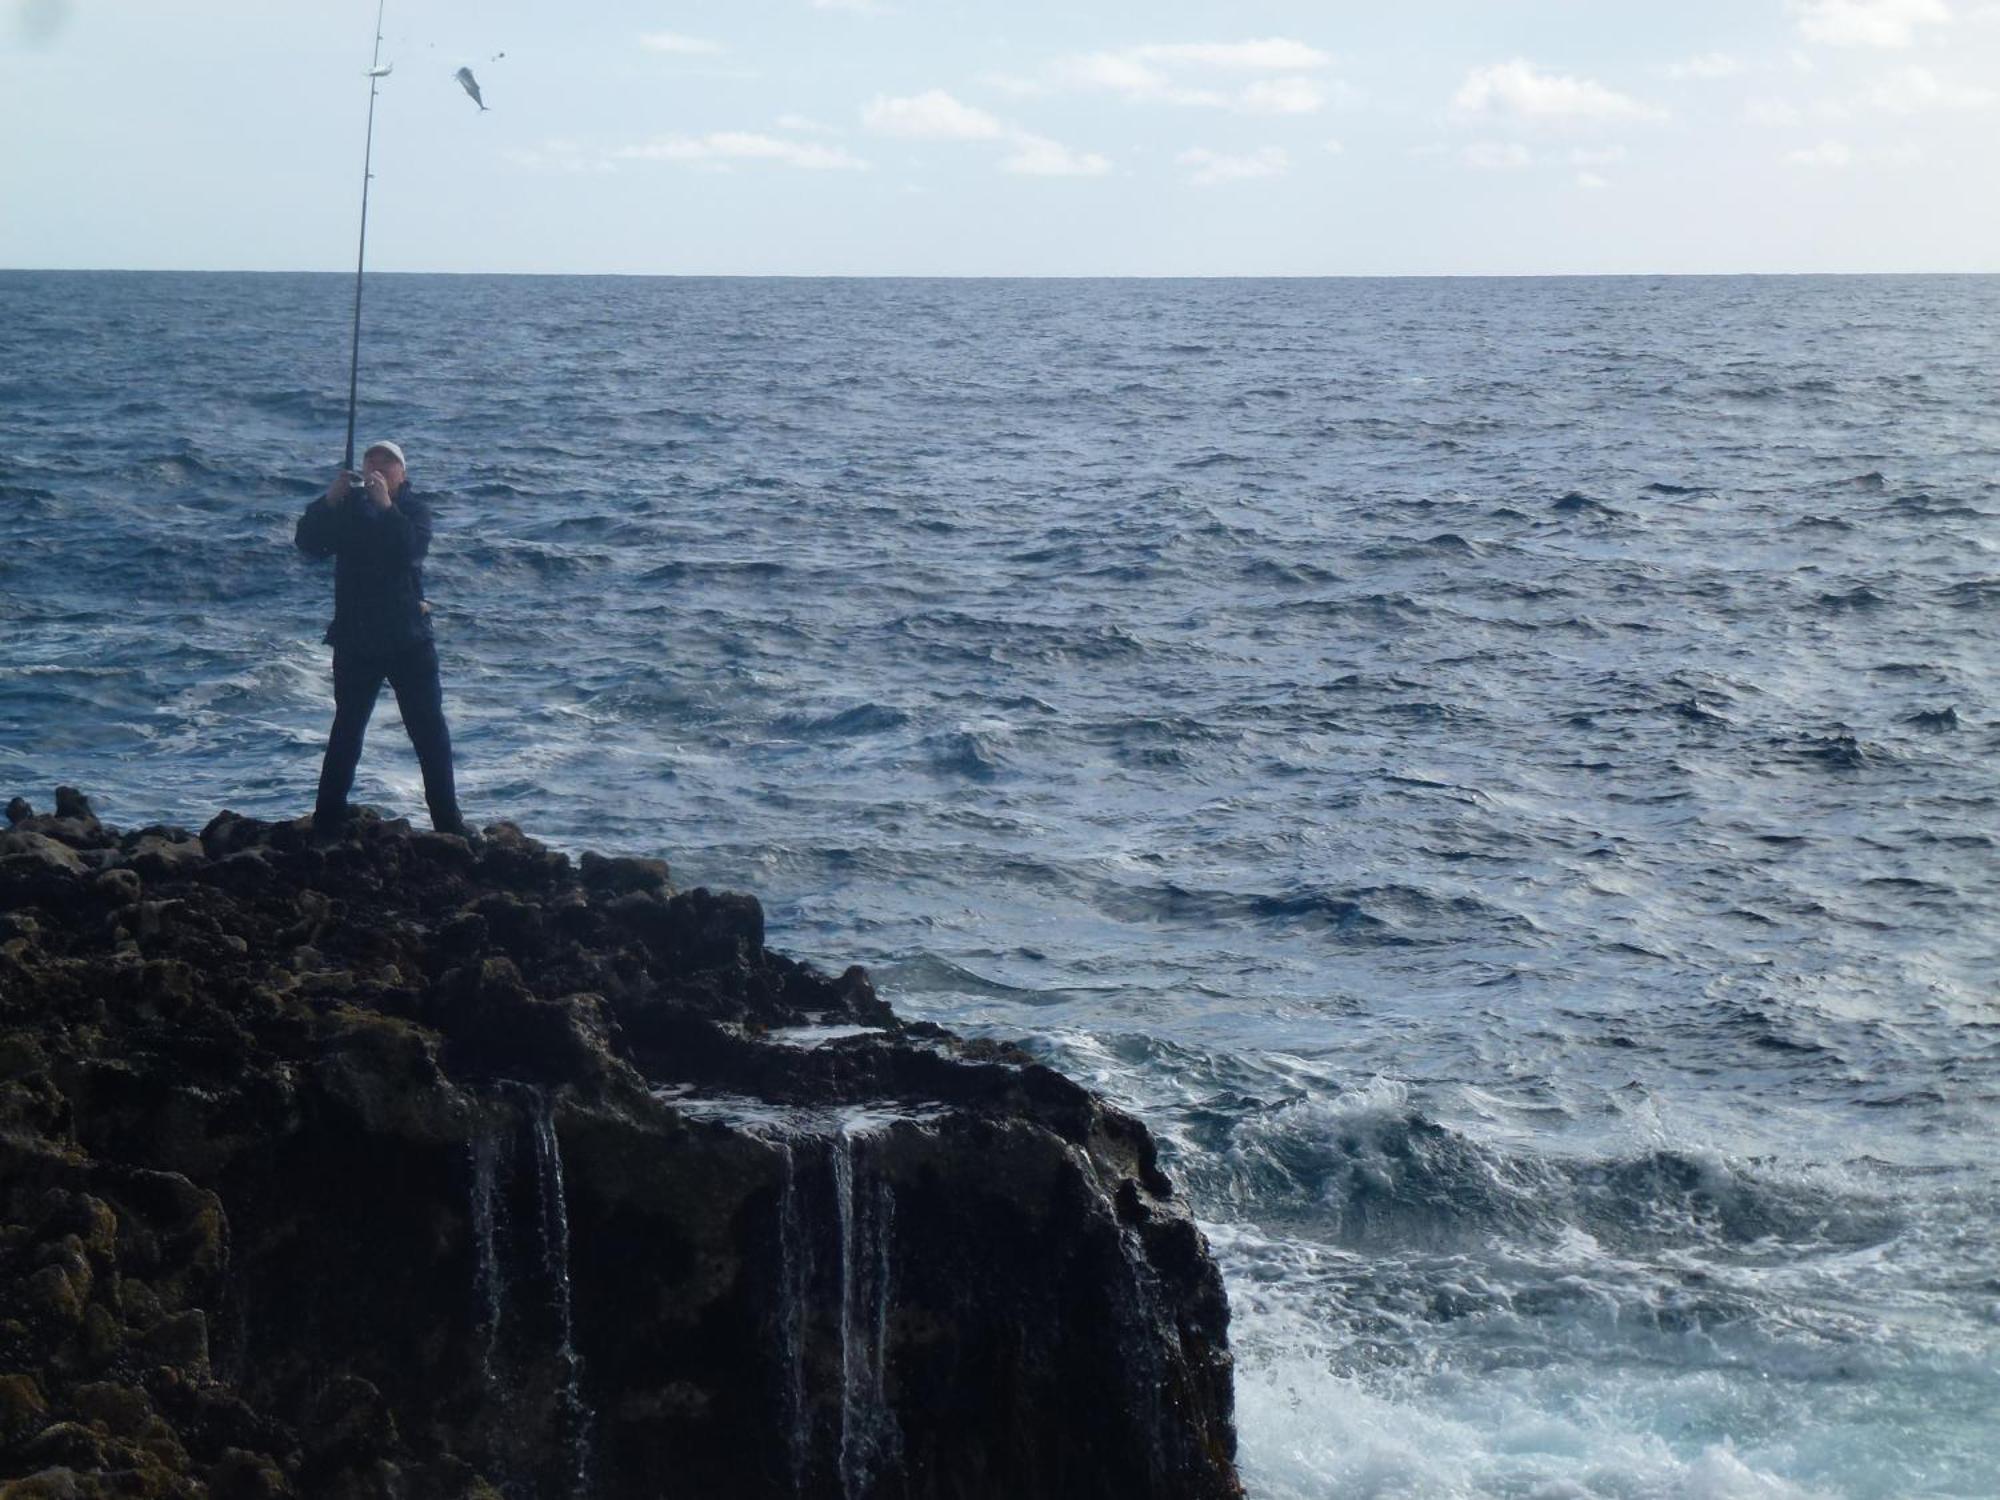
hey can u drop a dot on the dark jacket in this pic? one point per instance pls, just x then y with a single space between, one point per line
378 569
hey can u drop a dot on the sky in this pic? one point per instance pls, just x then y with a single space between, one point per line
1032 137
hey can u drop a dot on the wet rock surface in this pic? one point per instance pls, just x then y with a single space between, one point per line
407 1165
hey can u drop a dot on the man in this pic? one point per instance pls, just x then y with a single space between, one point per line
377 533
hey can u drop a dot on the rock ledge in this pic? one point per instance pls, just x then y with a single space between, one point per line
422 1167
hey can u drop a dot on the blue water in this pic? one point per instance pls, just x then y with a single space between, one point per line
1501 775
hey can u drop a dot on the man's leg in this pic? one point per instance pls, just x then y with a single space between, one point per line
420 696
357 681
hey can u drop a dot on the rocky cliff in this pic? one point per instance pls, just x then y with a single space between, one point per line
413 1167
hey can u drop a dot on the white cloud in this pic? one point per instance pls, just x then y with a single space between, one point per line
561 155
1012 83
1914 90
1334 148
1776 114
1836 155
1497 156
688 46
722 147
1207 168
1182 73
1866 23
1605 156
1275 54
1827 154
1707 65
1124 73
1590 182
1037 156
930 116
1282 96
935 115
1117 71
1516 88
1344 95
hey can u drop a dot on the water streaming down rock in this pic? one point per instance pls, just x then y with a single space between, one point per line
489 1285
575 1412
838 1321
523 1297
867 1425
794 1282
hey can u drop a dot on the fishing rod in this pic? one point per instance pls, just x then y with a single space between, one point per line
376 73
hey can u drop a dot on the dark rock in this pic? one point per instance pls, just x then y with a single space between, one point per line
512 860
349 1421
69 1445
243 1475
398 1165
604 877
122 1410
118 887
704 929
21 1407
156 852
70 803
34 862
228 832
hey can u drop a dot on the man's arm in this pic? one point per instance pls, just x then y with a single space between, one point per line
319 529
401 527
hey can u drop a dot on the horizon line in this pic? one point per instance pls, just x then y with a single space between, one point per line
1007 275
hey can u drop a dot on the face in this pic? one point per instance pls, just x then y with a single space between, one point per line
376 461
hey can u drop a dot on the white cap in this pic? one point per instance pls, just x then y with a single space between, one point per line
386 447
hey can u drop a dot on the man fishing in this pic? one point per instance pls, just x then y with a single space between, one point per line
377 532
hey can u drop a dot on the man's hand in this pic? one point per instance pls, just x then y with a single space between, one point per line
378 489
338 490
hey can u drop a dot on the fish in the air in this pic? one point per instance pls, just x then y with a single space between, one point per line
470 84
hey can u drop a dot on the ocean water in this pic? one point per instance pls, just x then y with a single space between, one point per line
1500 774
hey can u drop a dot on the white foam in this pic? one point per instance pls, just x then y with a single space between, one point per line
808 1037
790 1121
1360 1378
1310 1432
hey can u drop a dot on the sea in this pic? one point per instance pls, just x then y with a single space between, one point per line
1500 775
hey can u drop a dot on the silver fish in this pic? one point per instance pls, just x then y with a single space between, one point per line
470 84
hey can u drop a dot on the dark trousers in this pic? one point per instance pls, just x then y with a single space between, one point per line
357 682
